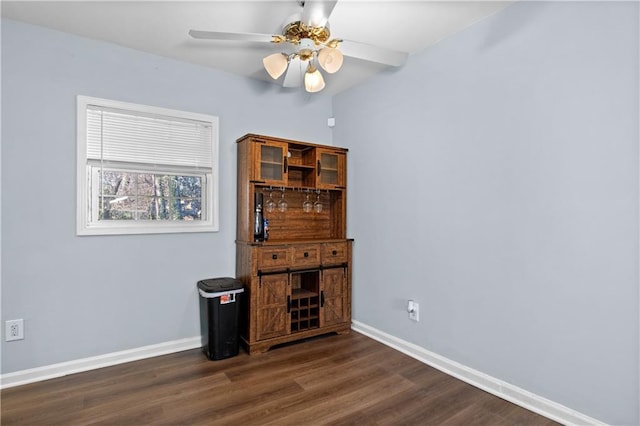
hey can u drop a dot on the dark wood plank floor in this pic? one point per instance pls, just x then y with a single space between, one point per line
346 379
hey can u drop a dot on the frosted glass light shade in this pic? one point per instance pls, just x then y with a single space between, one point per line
330 59
313 81
275 64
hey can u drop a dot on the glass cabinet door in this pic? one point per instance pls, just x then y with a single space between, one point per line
271 162
330 169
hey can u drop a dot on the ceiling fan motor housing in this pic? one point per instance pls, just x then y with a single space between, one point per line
297 31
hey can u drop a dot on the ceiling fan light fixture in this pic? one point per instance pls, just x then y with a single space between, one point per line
275 64
330 59
305 39
313 81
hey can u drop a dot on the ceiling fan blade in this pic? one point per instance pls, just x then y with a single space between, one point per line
316 12
215 35
372 53
293 77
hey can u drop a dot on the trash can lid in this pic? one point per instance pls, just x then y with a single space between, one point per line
217 285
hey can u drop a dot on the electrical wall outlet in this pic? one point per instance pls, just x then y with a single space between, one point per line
14 330
414 311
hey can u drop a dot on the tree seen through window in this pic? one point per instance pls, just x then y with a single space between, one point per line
147 196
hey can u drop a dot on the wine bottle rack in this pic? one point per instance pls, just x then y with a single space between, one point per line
305 310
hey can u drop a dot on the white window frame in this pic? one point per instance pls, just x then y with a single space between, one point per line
87 222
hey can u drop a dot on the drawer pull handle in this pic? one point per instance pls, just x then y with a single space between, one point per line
274 256
306 254
335 252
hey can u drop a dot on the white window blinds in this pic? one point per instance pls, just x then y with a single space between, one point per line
143 169
124 136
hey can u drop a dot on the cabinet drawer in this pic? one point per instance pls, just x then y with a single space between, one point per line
334 253
273 258
305 255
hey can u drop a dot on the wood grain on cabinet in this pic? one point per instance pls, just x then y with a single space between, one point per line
335 253
272 315
334 296
298 282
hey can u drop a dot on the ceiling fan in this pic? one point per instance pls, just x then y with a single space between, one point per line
305 40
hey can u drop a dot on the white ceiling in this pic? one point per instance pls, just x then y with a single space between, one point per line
161 27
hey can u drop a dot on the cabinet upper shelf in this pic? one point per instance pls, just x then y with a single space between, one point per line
282 162
301 166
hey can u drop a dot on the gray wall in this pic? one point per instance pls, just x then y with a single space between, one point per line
494 180
85 296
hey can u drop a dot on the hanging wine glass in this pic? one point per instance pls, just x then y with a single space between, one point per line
270 205
317 206
307 205
282 204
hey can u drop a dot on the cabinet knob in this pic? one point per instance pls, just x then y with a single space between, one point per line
335 252
274 256
306 254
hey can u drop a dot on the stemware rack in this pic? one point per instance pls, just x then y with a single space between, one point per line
296 223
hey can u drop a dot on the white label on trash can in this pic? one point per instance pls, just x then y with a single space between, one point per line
227 298
220 294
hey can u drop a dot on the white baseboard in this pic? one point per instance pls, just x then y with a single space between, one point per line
504 390
79 365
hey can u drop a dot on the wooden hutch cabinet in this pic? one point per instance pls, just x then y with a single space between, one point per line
298 281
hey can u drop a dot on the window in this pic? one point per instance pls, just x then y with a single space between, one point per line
144 169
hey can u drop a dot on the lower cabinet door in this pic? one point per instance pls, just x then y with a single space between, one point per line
272 316
333 297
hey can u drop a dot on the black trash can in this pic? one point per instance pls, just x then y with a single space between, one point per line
219 312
